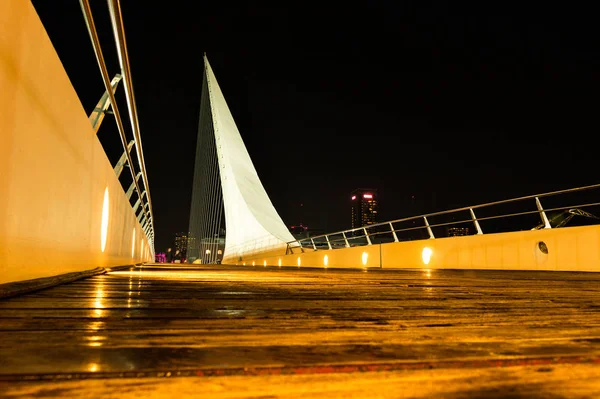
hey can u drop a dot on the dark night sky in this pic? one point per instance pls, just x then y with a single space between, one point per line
454 104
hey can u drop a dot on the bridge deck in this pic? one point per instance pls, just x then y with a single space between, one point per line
270 333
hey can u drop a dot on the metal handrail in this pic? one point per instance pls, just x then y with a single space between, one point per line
310 241
448 223
119 33
89 20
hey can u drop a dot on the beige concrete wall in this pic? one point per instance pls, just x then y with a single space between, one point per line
569 249
53 170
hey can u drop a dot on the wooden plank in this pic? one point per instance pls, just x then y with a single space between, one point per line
224 318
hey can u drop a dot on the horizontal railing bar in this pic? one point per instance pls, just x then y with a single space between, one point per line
466 208
456 222
119 34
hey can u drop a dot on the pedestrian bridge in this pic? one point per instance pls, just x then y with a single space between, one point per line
65 209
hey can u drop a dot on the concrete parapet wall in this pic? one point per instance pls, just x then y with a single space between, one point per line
568 249
53 170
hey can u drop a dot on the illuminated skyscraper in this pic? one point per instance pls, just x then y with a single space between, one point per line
364 207
181 242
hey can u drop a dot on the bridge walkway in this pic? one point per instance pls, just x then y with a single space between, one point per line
170 330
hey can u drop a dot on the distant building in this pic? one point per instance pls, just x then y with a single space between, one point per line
181 242
364 207
457 231
299 232
160 257
191 243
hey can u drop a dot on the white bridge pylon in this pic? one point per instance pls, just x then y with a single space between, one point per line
252 224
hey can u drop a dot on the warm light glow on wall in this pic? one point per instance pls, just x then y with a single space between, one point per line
265 263
279 262
299 261
325 260
104 225
142 247
133 243
426 255
365 258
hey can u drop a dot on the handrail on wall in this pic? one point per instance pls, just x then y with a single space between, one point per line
145 216
326 240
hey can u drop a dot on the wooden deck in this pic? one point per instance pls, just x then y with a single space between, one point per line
231 332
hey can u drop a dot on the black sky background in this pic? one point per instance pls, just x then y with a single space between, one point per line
454 104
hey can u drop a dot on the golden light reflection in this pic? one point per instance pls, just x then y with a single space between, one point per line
96 325
93 367
98 303
209 275
130 292
95 340
427 272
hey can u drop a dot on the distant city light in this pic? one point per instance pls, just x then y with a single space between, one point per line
367 195
353 197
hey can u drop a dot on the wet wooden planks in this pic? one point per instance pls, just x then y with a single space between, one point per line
158 320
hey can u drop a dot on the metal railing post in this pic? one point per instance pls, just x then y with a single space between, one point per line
123 160
313 243
429 231
328 243
367 235
393 232
136 205
346 240
475 222
542 213
97 115
132 187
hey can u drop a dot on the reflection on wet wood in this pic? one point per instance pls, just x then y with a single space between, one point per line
578 381
156 321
